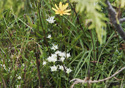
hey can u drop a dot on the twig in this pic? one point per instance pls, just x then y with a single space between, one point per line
76 80
95 62
4 83
122 20
38 69
117 78
117 25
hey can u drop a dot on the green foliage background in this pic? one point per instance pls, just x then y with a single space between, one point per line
95 46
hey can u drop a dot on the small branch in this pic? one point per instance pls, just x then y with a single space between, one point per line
122 20
117 25
38 69
4 83
111 11
76 80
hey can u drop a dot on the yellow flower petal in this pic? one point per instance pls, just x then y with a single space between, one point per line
67 10
57 12
61 14
65 6
67 13
54 9
56 6
60 5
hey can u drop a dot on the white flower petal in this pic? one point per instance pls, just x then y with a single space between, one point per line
53 68
19 77
62 54
54 47
44 62
52 58
57 52
61 67
62 59
68 55
68 70
49 36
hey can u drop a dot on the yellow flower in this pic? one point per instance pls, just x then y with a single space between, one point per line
62 9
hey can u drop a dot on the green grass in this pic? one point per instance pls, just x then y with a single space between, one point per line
24 46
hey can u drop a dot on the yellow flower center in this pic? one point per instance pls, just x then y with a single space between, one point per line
61 11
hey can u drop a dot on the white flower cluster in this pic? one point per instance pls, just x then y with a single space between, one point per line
61 55
4 67
60 67
58 56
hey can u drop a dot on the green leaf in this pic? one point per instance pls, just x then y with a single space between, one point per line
122 3
93 12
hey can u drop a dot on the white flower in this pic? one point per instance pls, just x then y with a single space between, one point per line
1 60
54 47
51 19
44 62
68 70
61 67
53 68
49 36
10 76
18 86
52 58
58 52
9 69
68 55
19 77
9 60
62 59
54 55
62 54
1 65
23 64
4 66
